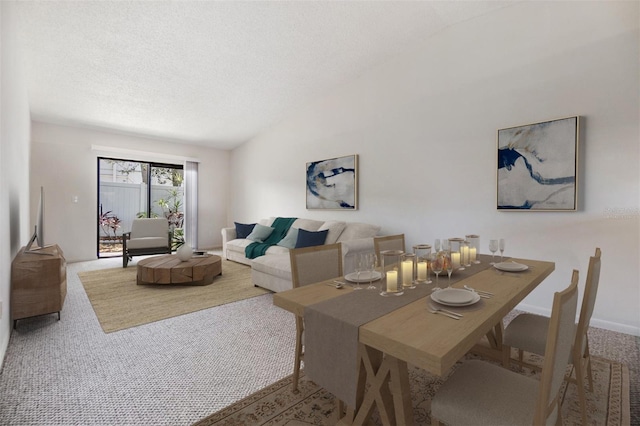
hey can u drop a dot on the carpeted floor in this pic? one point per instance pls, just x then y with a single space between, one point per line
120 303
171 372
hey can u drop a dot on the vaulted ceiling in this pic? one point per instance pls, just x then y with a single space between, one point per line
210 73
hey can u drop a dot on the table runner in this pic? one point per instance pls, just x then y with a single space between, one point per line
331 330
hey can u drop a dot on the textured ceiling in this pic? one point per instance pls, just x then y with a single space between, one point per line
210 73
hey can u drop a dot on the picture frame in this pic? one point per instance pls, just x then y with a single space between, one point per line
537 168
332 184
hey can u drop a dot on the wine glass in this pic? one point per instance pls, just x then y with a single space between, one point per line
360 264
436 265
436 245
493 248
372 260
448 266
501 248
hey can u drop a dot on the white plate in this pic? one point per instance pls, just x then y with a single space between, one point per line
454 295
511 266
365 277
475 298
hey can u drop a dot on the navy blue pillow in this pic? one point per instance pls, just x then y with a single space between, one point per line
243 229
308 238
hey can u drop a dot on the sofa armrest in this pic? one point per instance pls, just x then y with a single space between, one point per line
350 250
228 234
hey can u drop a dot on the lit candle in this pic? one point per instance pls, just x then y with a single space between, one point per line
464 255
472 253
422 270
407 273
455 259
392 281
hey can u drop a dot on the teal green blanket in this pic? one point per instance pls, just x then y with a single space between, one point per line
280 227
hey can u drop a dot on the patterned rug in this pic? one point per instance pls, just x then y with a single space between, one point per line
120 303
278 405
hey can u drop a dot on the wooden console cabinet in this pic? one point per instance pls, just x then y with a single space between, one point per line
38 283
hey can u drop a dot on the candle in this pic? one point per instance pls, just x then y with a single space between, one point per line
422 270
473 253
392 281
407 273
464 255
455 259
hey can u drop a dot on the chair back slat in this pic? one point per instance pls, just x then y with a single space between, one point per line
560 337
313 264
588 300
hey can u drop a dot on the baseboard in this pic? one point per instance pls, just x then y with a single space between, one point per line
598 323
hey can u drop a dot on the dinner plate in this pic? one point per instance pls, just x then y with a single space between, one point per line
450 300
365 277
511 266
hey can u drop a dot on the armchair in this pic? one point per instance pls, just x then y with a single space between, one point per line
147 236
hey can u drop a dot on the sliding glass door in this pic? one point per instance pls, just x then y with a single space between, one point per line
131 189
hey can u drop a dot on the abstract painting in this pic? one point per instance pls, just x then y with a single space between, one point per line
538 166
333 184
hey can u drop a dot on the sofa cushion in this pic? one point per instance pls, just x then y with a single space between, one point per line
260 233
310 238
308 224
243 229
278 265
289 241
148 242
335 229
356 230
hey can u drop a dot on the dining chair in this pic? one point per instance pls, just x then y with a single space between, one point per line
310 265
479 392
389 242
527 332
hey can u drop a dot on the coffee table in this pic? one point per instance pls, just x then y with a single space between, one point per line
168 269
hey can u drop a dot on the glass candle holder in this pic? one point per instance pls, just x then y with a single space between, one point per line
392 269
474 247
465 255
455 247
423 254
408 270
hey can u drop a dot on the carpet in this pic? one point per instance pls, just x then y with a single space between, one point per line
119 303
278 405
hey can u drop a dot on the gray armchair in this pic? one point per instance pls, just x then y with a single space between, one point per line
147 236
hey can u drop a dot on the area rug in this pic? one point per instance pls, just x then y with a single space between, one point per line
120 303
278 405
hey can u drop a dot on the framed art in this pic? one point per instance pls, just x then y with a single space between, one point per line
333 184
538 166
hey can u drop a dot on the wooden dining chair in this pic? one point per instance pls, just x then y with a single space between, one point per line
527 332
310 265
389 242
479 392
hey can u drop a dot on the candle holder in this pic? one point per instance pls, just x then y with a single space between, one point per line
474 247
391 264
409 270
465 254
455 247
423 256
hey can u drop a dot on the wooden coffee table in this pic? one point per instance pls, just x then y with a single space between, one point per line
168 269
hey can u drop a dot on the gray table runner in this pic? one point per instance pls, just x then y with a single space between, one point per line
331 330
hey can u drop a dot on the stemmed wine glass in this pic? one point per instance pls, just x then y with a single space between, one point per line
493 248
372 260
436 245
436 265
501 248
448 266
360 265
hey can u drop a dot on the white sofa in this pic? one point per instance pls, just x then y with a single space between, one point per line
273 270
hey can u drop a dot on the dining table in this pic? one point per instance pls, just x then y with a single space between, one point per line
358 344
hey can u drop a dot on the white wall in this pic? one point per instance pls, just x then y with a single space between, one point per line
424 125
65 164
14 161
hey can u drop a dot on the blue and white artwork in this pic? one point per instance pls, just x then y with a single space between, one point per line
332 183
537 166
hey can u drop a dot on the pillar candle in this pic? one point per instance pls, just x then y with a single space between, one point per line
473 253
407 273
455 259
422 271
392 281
464 255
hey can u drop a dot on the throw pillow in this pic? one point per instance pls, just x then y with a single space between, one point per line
335 229
309 238
289 241
260 233
243 229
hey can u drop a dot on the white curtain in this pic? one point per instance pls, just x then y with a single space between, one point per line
191 203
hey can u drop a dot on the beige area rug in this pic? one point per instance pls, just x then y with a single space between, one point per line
312 405
120 303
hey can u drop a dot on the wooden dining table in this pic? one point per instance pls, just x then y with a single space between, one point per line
413 335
